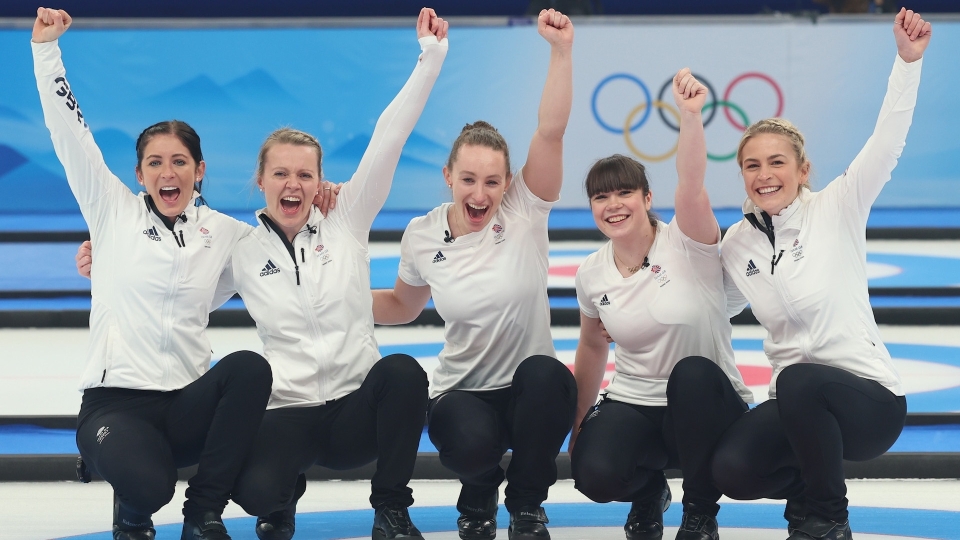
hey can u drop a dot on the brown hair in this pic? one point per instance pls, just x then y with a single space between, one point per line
289 136
479 133
184 133
615 173
777 126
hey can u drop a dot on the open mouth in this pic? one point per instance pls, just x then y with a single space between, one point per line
290 205
476 212
169 194
616 219
768 190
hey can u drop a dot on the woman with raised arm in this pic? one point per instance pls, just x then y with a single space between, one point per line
305 280
657 289
151 403
835 393
483 258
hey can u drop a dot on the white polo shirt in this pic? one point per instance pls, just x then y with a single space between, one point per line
667 311
814 303
489 286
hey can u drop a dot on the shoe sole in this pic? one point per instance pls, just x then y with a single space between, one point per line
377 535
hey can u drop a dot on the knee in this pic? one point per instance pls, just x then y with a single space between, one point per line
248 368
146 492
692 374
796 385
731 473
546 375
403 371
469 449
598 479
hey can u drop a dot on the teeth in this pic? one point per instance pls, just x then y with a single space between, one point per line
616 219
770 189
169 188
476 207
292 199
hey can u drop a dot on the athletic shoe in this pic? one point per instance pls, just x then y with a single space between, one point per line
204 526
815 527
478 521
698 527
390 522
130 526
794 512
279 525
645 520
528 522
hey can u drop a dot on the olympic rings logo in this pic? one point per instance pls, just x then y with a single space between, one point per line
670 116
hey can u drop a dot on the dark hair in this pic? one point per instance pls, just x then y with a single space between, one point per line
183 132
479 133
615 173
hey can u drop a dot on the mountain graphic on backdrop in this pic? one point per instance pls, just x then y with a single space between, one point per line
28 187
257 87
198 93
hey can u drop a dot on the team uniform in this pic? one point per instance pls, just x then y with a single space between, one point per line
150 404
676 386
835 393
334 401
498 385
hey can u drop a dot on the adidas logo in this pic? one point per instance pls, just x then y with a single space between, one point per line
604 301
152 234
439 257
752 269
270 268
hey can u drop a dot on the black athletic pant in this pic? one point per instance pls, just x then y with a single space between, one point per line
793 447
382 420
472 431
622 449
136 439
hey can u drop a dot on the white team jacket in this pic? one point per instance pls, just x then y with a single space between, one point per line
311 298
152 288
814 302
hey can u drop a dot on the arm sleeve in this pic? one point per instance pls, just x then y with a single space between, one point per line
408 271
586 305
364 195
521 201
96 189
736 301
859 186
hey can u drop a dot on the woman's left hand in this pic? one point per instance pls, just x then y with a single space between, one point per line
912 34
326 198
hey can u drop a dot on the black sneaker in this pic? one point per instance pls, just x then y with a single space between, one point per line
794 512
528 522
390 522
645 520
204 526
815 527
130 526
279 525
477 521
698 527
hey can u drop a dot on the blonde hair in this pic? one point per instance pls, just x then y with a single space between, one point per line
479 133
777 126
289 136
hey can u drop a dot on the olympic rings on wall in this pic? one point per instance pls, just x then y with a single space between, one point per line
666 111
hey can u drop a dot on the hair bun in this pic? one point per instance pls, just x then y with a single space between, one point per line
479 124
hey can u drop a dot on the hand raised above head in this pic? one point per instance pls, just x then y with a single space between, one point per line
912 34
556 28
50 24
429 24
688 93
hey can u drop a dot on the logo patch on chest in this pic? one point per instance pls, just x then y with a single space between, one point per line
752 269
660 275
152 234
269 269
206 237
796 250
439 257
498 231
604 301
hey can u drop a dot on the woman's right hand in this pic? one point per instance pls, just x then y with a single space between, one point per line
50 24
84 259
428 24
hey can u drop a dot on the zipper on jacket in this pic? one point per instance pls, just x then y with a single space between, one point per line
774 260
303 256
286 243
180 242
767 228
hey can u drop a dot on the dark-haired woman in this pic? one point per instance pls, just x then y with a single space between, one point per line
657 289
150 403
483 258
799 258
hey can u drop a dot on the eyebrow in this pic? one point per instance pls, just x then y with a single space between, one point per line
159 156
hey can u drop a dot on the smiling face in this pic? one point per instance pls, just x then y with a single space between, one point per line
168 172
622 213
772 173
289 178
478 178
